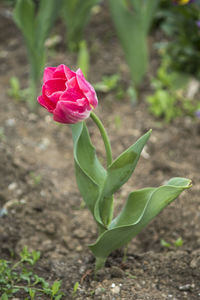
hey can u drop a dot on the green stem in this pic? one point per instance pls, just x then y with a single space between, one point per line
104 137
32 101
99 263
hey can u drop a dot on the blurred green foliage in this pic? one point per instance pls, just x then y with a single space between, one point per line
169 99
76 15
132 20
20 277
35 25
180 25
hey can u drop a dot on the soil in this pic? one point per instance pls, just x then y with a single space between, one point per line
46 213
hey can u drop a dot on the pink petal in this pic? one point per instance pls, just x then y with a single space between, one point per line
64 72
81 105
72 83
49 98
55 97
87 88
63 114
54 85
45 104
48 73
59 72
71 95
69 73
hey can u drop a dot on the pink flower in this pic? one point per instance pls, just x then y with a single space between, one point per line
67 94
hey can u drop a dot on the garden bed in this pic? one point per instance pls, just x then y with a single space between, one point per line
45 210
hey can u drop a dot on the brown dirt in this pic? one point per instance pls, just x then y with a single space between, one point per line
48 216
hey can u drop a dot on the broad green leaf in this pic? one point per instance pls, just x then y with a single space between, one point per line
90 174
117 174
122 167
35 26
150 8
144 204
83 58
132 22
55 287
132 37
23 14
4 296
46 16
76 15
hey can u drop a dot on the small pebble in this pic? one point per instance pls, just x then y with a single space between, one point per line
82 270
186 287
116 272
116 290
19 192
3 212
44 144
10 122
79 248
99 290
194 263
12 186
48 119
79 233
32 117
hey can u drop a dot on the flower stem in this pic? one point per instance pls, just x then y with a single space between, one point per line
99 264
104 137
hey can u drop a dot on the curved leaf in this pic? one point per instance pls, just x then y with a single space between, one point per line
23 14
122 168
46 16
117 174
90 174
145 205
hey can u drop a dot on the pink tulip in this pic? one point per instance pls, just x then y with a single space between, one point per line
67 94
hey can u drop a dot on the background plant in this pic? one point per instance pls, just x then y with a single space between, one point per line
35 25
76 15
18 277
132 20
169 100
180 25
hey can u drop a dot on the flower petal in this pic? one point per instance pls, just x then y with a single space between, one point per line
48 73
54 85
87 88
69 73
72 95
72 84
45 104
63 114
80 105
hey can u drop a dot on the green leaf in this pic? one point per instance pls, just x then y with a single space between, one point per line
178 242
4 297
141 207
83 58
135 20
31 293
122 167
23 14
58 297
90 174
55 287
47 14
117 174
165 244
76 15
